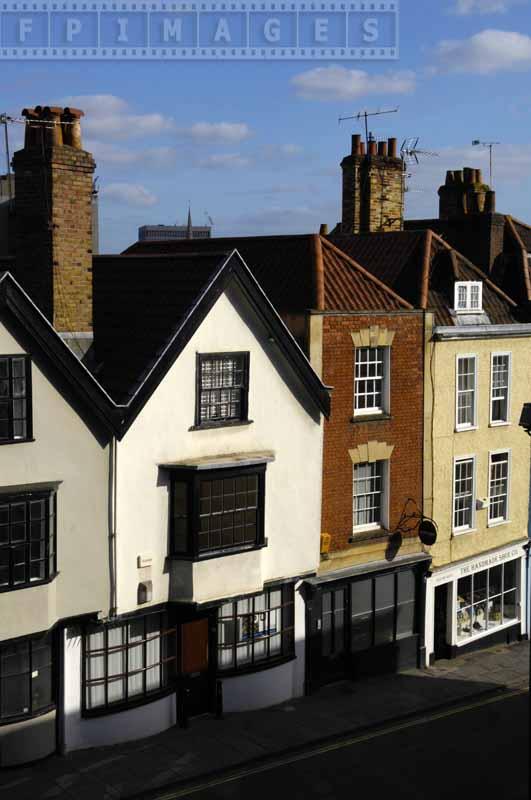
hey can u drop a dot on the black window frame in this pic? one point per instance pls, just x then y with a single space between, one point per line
243 417
192 479
11 398
167 664
286 633
48 540
29 675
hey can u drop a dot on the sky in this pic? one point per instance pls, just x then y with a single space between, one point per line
257 146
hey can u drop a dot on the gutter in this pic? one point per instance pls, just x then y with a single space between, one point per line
449 332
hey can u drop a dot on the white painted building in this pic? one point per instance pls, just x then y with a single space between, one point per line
200 495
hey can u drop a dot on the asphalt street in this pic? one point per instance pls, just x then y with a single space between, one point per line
475 752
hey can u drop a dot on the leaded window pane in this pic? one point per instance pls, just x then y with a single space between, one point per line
14 398
222 387
228 512
27 539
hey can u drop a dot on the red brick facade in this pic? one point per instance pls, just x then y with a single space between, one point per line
404 429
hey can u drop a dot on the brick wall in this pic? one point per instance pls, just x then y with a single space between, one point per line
373 194
53 229
404 430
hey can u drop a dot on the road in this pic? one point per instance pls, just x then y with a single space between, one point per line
479 752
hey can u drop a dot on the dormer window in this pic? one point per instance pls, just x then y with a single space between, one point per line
468 297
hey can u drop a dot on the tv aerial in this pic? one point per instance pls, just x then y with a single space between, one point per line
364 115
410 151
491 146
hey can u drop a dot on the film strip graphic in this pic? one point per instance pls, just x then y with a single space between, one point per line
200 31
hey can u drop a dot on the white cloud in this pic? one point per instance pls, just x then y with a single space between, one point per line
109 154
216 132
464 7
129 194
282 152
340 83
485 53
223 161
109 117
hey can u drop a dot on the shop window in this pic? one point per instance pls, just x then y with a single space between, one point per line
127 662
333 623
383 609
26 680
487 600
256 629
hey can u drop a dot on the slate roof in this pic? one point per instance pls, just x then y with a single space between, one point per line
146 308
422 268
288 269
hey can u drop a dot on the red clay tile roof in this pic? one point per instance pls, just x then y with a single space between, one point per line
286 267
399 259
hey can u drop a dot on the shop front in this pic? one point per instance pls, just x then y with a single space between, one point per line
476 603
365 620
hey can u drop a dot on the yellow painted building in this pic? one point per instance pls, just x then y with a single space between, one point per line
476 483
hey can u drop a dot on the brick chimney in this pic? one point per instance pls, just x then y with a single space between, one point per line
53 217
465 193
373 187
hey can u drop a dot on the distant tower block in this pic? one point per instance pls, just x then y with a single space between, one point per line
373 188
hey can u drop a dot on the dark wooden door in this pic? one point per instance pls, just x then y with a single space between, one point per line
440 643
195 671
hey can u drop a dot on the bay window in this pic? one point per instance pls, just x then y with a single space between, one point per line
257 629
487 600
216 511
26 680
127 662
27 539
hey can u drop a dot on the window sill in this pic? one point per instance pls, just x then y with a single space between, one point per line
259 667
499 424
360 418
17 441
497 523
116 708
24 717
464 531
208 426
483 634
29 585
467 428
228 551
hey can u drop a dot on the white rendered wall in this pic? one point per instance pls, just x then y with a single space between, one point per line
135 723
64 451
161 434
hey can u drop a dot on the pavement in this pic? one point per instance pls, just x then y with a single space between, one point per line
210 746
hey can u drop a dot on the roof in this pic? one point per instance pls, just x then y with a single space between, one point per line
422 268
162 301
297 272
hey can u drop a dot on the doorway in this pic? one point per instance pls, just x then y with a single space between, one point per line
441 648
196 675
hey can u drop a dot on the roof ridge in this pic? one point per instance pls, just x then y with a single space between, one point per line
485 278
519 221
352 263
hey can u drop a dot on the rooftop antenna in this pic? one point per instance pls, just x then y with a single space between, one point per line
491 146
365 116
410 151
209 218
4 120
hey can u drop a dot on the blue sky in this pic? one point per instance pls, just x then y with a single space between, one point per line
258 145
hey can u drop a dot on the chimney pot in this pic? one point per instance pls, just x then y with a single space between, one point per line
392 145
450 178
323 230
490 202
458 176
373 147
382 148
479 176
362 148
469 175
356 142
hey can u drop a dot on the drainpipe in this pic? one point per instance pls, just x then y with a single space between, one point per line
113 593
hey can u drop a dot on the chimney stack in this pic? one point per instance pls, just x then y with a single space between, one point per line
53 217
465 194
373 187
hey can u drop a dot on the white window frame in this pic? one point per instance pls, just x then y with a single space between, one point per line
466 426
467 285
386 381
384 500
472 527
508 355
493 523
